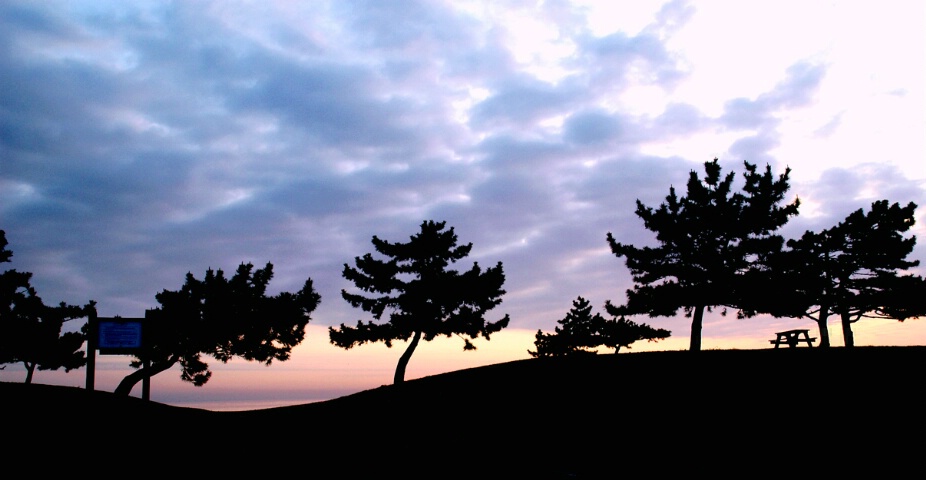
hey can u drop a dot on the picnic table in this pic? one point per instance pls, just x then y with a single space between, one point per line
792 337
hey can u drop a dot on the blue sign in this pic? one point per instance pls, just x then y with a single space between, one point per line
121 334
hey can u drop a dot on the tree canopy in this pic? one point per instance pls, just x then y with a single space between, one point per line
30 331
222 318
798 282
876 241
424 297
858 269
708 240
855 269
580 332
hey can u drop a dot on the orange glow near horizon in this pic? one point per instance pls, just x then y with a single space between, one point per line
319 371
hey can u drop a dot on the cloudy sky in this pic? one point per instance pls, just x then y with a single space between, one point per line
140 141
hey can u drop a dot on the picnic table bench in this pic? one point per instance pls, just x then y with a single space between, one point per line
792 337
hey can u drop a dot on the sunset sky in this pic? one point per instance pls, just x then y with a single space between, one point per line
143 140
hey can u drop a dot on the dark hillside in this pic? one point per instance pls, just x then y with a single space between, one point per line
710 412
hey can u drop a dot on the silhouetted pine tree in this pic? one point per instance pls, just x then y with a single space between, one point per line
30 331
619 332
875 245
223 318
580 332
577 333
853 270
425 298
708 240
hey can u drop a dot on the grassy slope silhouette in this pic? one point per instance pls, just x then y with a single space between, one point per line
715 411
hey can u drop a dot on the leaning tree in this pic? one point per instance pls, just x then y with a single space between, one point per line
30 331
708 240
424 297
222 318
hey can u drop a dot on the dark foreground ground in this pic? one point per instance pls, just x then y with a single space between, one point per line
721 413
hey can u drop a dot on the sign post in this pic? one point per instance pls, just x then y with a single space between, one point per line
116 336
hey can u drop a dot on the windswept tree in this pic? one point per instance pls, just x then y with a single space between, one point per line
905 299
580 333
30 331
222 318
620 332
854 270
708 240
876 246
423 297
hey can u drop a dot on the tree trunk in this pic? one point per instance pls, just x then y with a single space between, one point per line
824 333
697 319
30 371
128 383
403 360
847 330
822 324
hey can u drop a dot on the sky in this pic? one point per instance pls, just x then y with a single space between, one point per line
140 141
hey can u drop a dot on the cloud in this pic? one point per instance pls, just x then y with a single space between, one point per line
591 127
796 90
521 102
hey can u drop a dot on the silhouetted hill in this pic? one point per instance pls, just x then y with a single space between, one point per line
717 412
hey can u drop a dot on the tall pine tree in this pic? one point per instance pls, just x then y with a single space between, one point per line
708 240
